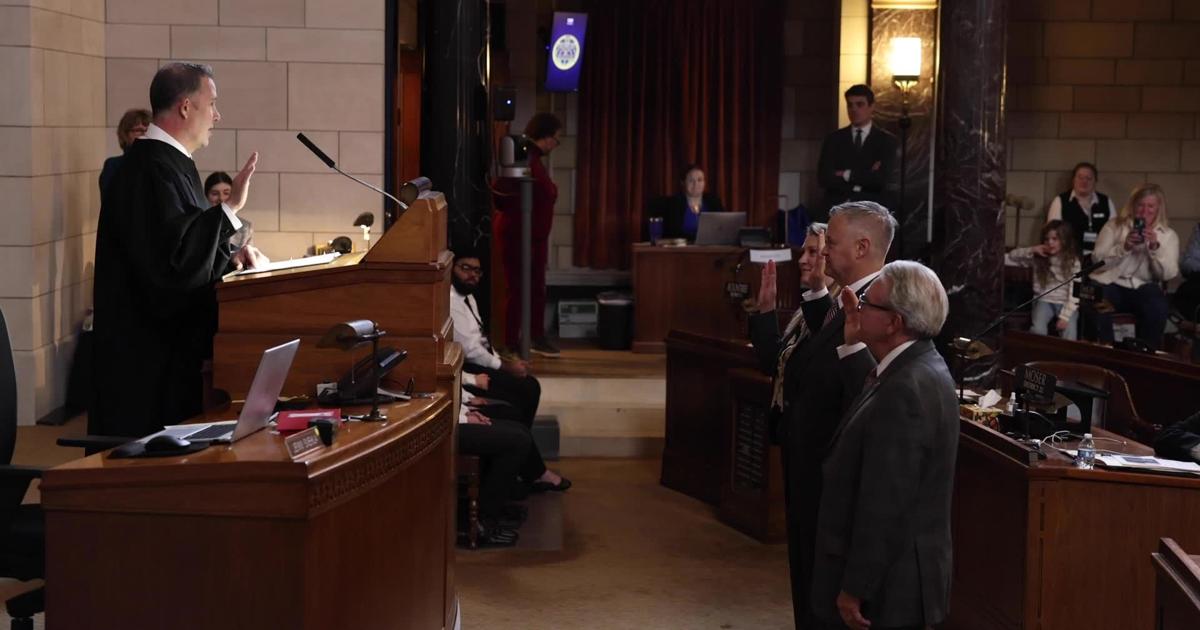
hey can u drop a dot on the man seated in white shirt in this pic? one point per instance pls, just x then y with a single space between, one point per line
494 377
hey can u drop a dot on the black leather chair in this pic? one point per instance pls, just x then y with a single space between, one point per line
22 528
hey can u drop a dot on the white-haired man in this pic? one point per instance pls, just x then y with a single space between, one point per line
883 554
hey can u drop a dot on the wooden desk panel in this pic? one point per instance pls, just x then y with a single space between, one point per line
355 535
1049 546
1177 589
1165 390
683 288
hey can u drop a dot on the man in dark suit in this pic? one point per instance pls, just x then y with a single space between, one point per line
883 552
857 161
820 377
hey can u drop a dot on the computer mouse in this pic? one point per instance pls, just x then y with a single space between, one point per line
161 443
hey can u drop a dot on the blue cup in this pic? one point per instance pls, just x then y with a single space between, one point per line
656 229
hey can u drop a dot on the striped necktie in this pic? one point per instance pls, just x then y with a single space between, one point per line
796 332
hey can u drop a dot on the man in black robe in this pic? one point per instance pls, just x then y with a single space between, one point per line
160 248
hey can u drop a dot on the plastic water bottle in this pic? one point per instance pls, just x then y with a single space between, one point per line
1085 453
1011 408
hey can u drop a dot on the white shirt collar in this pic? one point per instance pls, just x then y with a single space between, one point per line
891 356
1073 197
857 285
866 130
154 132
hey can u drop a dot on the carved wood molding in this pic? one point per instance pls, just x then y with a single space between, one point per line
368 471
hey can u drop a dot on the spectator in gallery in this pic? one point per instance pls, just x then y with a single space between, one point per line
1054 262
1187 296
217 187
681 215
1083 208
132 126
543 134
1140 252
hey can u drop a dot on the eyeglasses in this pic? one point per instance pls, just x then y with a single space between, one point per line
862 301
472 269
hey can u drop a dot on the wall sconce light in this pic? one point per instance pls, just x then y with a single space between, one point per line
905 64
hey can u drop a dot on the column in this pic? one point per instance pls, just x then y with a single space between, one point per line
968 240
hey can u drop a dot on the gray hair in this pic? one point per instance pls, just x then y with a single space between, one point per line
817 229
875 219
916 293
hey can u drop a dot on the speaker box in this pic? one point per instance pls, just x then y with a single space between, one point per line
504 103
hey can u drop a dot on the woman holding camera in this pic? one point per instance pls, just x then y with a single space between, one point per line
1140 252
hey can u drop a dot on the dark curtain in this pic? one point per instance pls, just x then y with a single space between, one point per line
666 83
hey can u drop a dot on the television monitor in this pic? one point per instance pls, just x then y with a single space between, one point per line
565 56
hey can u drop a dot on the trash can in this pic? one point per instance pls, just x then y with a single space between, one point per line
615 320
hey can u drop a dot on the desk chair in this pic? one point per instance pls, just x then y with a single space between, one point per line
467 469
1120 415
22 528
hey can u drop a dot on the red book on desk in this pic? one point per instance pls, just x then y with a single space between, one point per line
298 420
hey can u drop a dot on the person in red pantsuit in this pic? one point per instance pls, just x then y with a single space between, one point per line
543 132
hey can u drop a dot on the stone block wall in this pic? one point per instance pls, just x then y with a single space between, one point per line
52 128
1112 82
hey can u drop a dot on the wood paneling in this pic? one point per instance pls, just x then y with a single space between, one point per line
1177 588
1165 390
241 536
683 288
1052 547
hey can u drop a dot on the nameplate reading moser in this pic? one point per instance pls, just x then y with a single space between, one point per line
303 442
1036 384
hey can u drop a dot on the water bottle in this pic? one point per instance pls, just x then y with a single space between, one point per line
1085 453
1011 407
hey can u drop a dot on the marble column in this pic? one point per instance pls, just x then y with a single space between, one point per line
968 240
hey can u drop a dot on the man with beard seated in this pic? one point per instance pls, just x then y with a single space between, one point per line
485 373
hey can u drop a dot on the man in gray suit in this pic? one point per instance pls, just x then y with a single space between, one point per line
883 529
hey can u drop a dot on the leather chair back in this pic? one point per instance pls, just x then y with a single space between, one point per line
1120 414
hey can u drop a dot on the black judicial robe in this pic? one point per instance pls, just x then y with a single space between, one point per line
160 248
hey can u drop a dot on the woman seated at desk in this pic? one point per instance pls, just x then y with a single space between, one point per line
681 214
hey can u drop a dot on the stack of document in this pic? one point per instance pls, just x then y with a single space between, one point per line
1145 462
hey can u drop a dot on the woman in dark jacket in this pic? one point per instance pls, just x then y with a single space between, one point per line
681 215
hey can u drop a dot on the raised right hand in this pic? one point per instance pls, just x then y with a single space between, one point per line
241 184
767 289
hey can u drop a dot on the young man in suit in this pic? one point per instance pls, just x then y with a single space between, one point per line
883 552
820 379
857 161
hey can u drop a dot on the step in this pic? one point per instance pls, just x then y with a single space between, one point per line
611 417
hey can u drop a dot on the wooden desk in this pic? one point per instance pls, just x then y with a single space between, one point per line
716 447
683 288
357 535
1165 390
1177 587
402 282
1047 546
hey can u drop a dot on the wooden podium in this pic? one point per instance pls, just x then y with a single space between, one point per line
402 282
357 535
685 288
1046 545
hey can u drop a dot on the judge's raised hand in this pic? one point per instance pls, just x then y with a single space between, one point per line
851 328
241 184
767 289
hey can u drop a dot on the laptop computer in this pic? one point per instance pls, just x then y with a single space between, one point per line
258 409
719 228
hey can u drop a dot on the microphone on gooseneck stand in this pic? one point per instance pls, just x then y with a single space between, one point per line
331 164
972 346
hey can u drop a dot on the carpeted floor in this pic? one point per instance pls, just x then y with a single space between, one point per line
635 555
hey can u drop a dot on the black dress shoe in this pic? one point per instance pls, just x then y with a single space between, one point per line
543 486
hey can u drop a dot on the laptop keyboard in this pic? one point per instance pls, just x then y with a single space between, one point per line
212 433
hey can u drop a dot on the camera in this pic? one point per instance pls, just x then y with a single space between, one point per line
1139 224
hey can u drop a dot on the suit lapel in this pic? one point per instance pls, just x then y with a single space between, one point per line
911 354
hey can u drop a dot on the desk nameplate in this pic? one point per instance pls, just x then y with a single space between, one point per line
303 442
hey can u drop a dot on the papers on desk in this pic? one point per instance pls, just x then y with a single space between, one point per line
290 264
1145 462
761 256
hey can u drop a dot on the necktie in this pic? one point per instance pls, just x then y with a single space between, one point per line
833 312
872 379
796 332
858 138
486 344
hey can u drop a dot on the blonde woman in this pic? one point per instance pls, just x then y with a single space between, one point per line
1140 252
